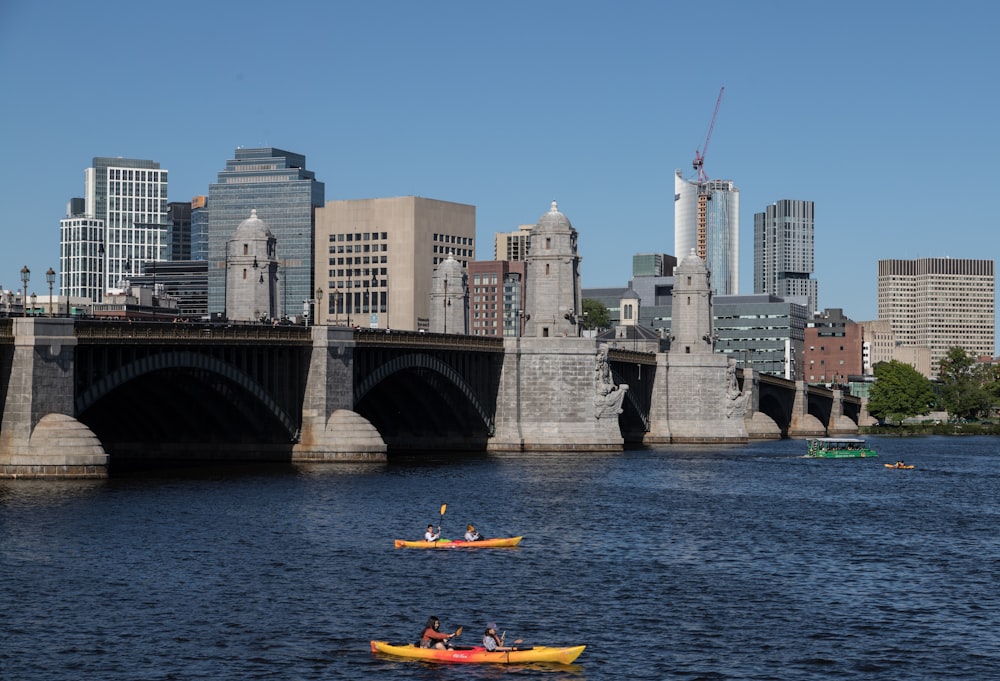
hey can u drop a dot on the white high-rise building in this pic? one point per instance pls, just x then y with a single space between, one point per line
707 221
119 224
784 252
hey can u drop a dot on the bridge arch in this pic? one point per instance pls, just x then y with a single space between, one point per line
432 363
182 359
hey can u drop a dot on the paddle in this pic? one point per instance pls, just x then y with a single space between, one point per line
444 507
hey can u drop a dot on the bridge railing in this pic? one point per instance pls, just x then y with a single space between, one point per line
167 332
416 339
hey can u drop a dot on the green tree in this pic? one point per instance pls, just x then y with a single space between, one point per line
964 391
899 392
596 315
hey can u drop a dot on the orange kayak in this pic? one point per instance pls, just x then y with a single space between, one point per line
479 655
459 543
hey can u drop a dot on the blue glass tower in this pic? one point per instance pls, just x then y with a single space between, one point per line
285 195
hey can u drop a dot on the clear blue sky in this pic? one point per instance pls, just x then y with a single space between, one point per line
884 114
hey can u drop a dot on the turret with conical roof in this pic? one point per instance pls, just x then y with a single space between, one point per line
553 298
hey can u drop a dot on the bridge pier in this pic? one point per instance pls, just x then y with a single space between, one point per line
331 430
804 424
759 425
549 399
39 436
840 424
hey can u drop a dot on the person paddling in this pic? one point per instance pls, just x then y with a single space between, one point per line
471 534
492 642
433 637
430 535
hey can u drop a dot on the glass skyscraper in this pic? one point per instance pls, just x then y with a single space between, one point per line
122 224
285 196
784 252
707 221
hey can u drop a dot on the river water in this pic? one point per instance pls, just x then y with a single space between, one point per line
744 562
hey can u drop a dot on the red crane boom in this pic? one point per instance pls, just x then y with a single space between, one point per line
699 158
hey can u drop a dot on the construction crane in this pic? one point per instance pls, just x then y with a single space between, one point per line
699 158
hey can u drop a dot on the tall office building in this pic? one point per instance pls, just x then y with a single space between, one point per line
375 258
707 221
285 195
939 303
653 265
512 246
784 251
118 225
179 233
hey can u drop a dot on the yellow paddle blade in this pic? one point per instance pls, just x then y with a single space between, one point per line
444 507
458 632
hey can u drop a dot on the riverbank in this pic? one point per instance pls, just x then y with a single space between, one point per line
945 428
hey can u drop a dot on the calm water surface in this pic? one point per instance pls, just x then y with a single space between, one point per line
689 563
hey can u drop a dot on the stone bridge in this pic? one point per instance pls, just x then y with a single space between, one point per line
78 395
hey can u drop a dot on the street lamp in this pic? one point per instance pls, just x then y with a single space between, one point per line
319 303
446 304
25 278
50 277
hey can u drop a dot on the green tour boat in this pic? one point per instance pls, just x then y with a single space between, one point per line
839 448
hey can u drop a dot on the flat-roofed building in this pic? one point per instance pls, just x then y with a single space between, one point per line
939 303
375 258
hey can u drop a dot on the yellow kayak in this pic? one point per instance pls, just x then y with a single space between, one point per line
459 543
897 467
479 655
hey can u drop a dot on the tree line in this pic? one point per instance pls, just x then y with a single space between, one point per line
965 388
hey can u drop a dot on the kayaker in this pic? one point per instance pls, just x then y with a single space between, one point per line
432 636
471 534
491 641
430 535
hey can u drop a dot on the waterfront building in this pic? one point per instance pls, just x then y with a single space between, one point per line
183 281
497 297
939 303
784 251
285 195
880 345
707 220
512 246
120 223
375 258
833 348
553 297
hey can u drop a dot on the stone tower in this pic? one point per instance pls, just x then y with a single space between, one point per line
251 272
449 298
553 299
691 325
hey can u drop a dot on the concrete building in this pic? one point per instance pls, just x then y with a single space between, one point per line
277 185
497 297
707 220
939 303
512 246
784 252
553 298
120 223
375 258
834 348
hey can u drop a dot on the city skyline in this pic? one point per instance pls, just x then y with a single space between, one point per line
390 100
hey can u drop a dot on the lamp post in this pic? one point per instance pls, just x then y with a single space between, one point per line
50 277
319 303
25 278
374 297
446 302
